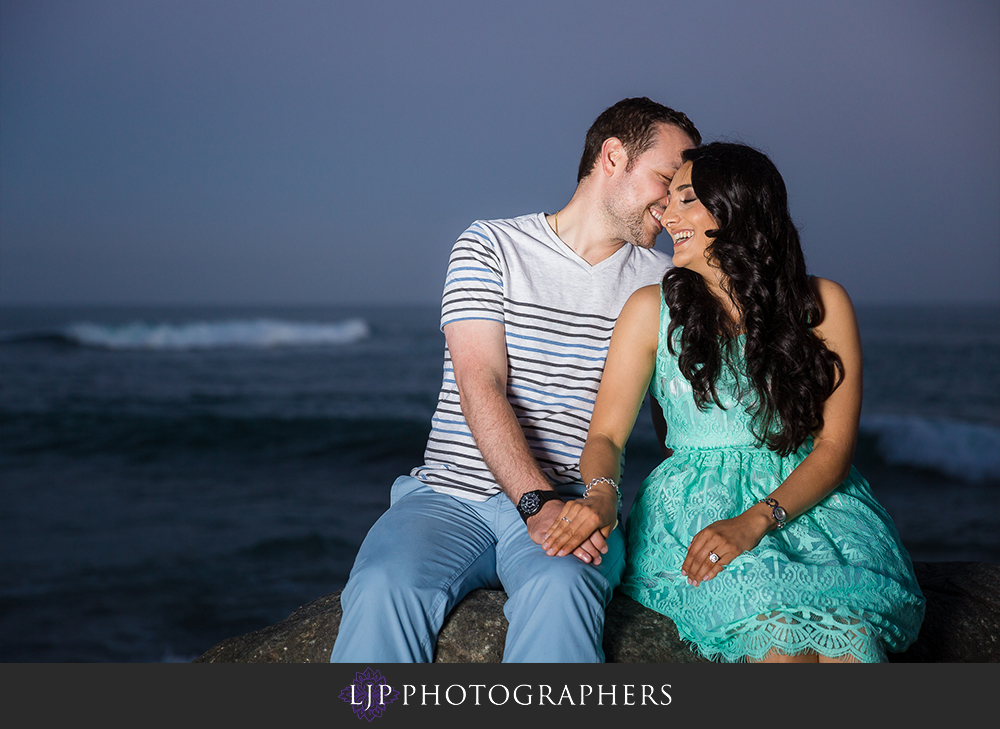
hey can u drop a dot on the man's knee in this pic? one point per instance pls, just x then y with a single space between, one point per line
387 616
385 578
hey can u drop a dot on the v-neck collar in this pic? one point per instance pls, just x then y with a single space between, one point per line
564 247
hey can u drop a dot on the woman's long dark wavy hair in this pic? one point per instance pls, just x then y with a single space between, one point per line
756 246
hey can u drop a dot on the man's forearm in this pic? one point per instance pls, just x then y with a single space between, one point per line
506 453
501 441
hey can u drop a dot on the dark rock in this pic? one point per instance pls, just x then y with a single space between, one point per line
305 636
635 634
962 625
475 630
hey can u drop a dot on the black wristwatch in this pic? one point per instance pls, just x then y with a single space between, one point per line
531 503
777 511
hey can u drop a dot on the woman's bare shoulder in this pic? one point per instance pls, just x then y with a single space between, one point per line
833 298
837 318
639 321
644 299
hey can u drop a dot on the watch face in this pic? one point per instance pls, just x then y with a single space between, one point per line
779 513
529 503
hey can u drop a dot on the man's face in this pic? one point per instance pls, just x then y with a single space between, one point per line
639 197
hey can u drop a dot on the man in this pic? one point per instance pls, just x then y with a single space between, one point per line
528 309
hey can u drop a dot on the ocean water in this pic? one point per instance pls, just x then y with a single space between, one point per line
173 477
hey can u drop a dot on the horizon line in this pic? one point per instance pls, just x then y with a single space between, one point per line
421 303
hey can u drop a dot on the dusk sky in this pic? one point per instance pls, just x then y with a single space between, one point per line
243 152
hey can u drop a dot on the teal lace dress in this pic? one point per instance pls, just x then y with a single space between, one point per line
836 580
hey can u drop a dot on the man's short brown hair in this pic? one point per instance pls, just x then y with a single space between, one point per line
633 122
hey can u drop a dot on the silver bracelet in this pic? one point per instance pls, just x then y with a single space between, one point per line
602 479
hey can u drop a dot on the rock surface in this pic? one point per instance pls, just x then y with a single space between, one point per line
962 624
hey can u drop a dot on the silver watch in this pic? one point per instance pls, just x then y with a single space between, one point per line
777 511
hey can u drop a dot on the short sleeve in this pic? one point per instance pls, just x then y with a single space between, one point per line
473 287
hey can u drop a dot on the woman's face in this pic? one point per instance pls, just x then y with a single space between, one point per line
687 221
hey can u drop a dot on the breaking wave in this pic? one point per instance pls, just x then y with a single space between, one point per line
966 451
259 333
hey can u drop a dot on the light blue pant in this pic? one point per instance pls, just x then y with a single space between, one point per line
429 550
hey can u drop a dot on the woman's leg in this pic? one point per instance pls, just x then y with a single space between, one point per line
776 657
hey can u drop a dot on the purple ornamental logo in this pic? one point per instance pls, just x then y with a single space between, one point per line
369 694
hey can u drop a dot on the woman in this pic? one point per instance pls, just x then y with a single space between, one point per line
757 537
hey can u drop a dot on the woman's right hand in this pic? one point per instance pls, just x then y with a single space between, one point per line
594 518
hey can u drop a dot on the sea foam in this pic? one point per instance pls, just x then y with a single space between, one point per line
258 333
966 451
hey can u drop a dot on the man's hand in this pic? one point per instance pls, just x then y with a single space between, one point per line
589 551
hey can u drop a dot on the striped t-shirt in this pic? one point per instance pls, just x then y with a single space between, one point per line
558 313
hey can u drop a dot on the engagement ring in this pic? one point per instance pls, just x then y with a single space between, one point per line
713 557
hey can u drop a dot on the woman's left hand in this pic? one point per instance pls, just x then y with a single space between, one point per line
728 539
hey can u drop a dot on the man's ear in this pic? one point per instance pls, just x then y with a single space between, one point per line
613 158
